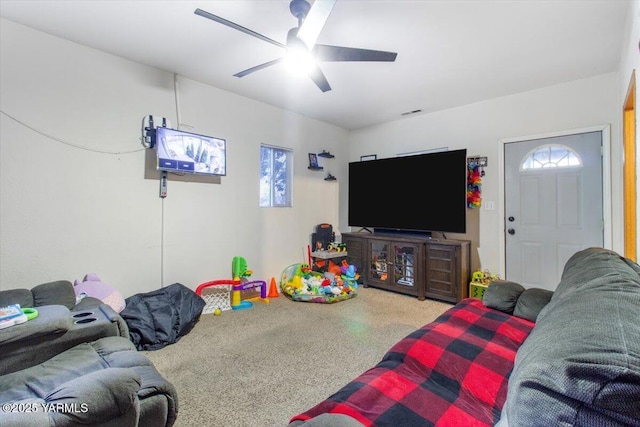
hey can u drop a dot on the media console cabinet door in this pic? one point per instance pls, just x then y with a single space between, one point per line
447 271
396 265
391 263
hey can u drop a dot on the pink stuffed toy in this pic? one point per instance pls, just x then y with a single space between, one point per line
92 286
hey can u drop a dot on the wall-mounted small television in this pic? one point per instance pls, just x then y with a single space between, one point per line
416 193
189 153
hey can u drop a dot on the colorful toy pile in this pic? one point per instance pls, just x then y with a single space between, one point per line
300 283
474 186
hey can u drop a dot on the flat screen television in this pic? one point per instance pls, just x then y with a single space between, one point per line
185 152
419 193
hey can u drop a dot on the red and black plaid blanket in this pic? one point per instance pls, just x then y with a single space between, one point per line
451 372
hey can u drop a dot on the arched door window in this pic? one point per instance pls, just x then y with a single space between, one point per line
550 156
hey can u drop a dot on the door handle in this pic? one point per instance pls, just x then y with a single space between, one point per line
511 219
511 231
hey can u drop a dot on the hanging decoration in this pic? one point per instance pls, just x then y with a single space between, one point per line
474 184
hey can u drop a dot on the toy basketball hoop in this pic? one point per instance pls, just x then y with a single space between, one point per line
216 294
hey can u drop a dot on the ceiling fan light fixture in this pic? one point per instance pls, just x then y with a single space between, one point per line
297 59
299 62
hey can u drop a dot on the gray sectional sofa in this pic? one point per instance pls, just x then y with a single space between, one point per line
580 366
74 365
519 358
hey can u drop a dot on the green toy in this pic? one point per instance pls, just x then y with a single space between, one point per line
239 268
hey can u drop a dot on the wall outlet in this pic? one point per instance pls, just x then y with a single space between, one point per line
489 206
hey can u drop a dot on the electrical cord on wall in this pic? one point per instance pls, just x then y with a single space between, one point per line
162 244
176 96
53 138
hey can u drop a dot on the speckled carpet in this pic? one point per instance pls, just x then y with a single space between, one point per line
260 366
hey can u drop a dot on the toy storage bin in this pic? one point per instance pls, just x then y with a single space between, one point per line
476 290
289 289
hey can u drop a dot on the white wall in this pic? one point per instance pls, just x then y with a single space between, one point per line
479 128
73 198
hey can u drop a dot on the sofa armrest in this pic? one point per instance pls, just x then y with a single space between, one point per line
55 330
114 317
25 413
52 320
108 394
102 398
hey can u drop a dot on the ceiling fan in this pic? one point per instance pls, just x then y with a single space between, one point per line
301 41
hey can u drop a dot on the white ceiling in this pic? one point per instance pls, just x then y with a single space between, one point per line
450 53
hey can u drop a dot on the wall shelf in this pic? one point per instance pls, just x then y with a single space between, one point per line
326 155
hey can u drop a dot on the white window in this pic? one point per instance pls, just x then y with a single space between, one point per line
276 171
550 156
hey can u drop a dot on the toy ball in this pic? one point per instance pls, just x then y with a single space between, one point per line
217 312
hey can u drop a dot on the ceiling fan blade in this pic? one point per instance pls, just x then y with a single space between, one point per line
323 52
319 79
235 26
258 67
314 21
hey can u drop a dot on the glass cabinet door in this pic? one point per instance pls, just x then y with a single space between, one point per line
379 257
403 265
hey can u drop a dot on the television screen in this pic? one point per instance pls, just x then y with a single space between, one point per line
185 152
424 193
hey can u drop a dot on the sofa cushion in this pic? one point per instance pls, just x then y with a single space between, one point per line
531 302
59 292
581 363
24 297
502 295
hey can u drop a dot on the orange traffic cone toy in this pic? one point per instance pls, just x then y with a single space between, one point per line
273 289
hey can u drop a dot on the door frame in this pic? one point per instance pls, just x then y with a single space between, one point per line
629 172
606 183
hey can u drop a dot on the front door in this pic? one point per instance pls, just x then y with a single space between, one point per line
553 205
